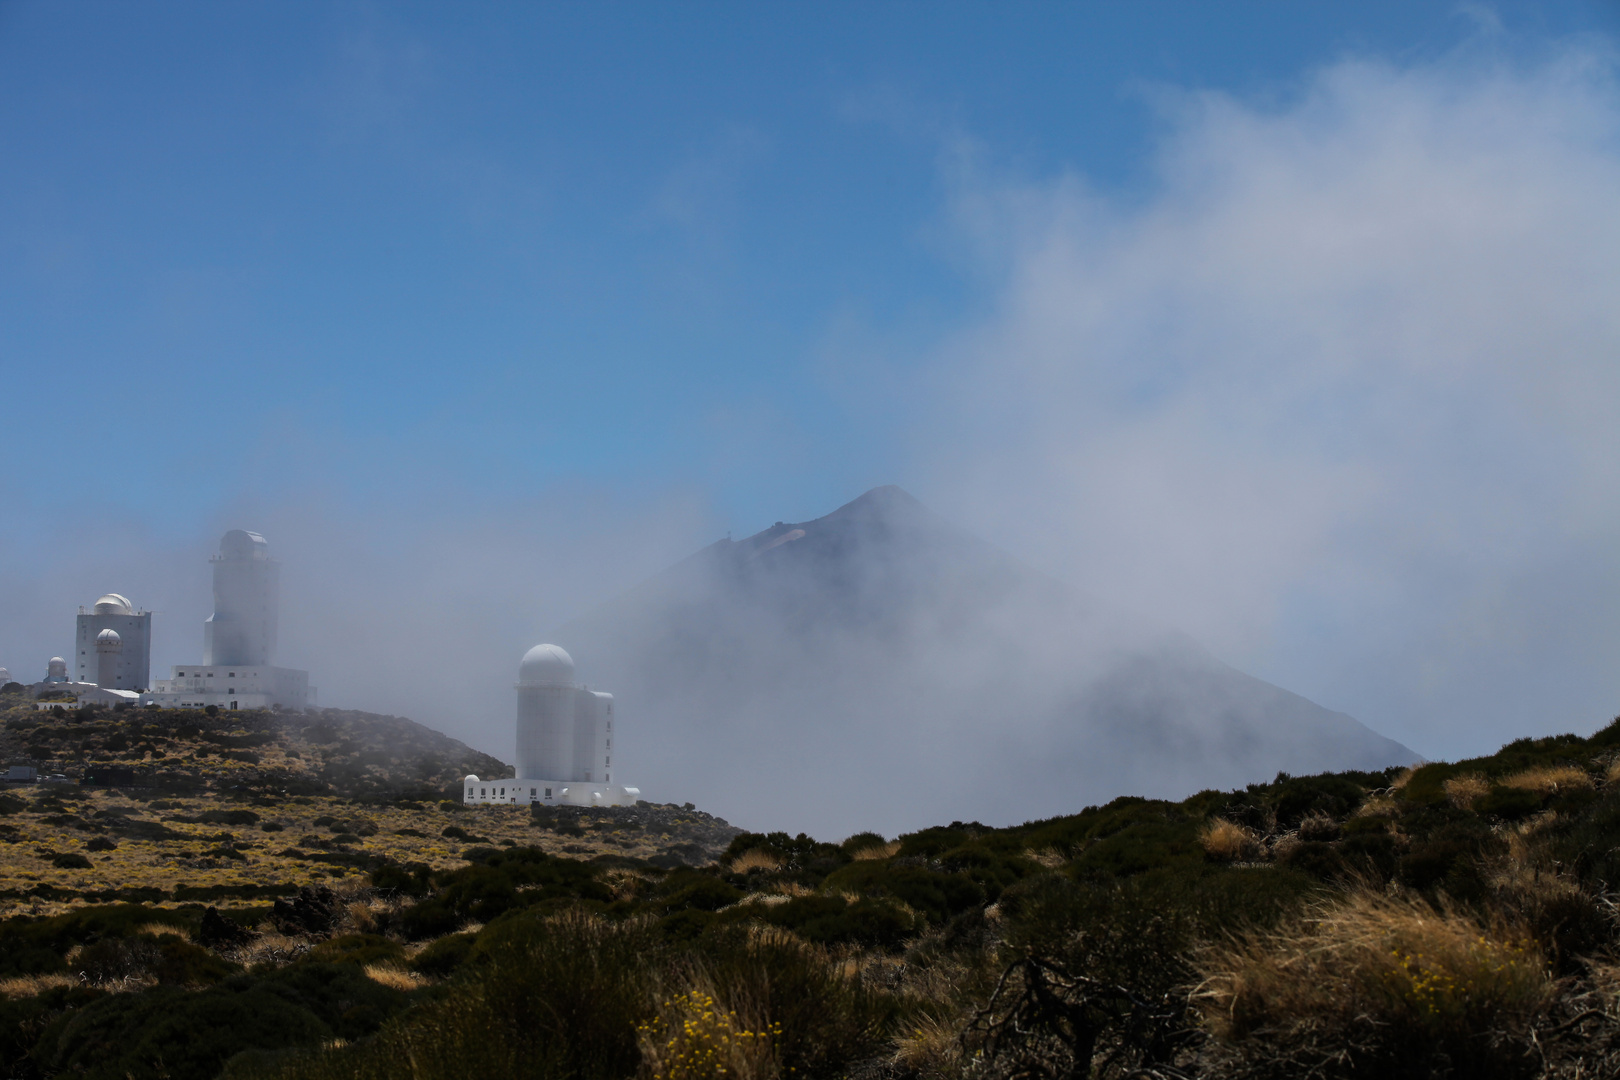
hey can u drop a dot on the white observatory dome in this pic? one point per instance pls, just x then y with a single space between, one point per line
546 665
109 638
241 544
114 604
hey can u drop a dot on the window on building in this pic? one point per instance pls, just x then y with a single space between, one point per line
548 793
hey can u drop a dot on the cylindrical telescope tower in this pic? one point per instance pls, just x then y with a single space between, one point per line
545 715
242 629
109 646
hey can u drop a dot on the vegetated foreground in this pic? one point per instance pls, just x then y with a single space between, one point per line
1449 921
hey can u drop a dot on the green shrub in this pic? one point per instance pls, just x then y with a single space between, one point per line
1330 794
167 958
1509 803
32 946
799 853
412 879
831 1019
935 894
863 840
358 949
553 998
491 887
833 920
229 817
687 888
171 1034
445 955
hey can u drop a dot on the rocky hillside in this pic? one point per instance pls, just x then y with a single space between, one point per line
324 752
175 807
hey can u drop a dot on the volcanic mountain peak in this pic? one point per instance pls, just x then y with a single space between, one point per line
879 667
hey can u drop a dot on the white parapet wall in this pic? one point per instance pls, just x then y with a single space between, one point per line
517 792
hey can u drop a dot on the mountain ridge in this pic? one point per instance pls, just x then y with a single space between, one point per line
880 654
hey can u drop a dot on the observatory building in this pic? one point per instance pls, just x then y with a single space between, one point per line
564 741
131 668
239 639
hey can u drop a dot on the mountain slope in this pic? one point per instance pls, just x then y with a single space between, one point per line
879 668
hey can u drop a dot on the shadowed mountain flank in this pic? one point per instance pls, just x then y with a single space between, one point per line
880 668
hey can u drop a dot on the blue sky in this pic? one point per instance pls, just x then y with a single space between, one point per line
559 275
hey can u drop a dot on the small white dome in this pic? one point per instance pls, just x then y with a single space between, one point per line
546 665
108 637
114 604
470 779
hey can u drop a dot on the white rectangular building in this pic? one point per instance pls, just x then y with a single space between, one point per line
232 686
132 667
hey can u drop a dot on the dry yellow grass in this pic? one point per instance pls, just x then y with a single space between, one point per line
157 928
1224 839
929 1048
21 986
270 949
1318 826
1402 779
755 859
1049 857
1373 959
789 889
184 861
1466 790
394 977
1383 806
877 851
1549 779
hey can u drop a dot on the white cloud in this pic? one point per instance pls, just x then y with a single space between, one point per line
1340 397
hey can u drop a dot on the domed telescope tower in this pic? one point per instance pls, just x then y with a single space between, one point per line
131 669
109 650
247 581
239 639
564 741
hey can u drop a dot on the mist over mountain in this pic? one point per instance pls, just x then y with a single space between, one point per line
879 668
